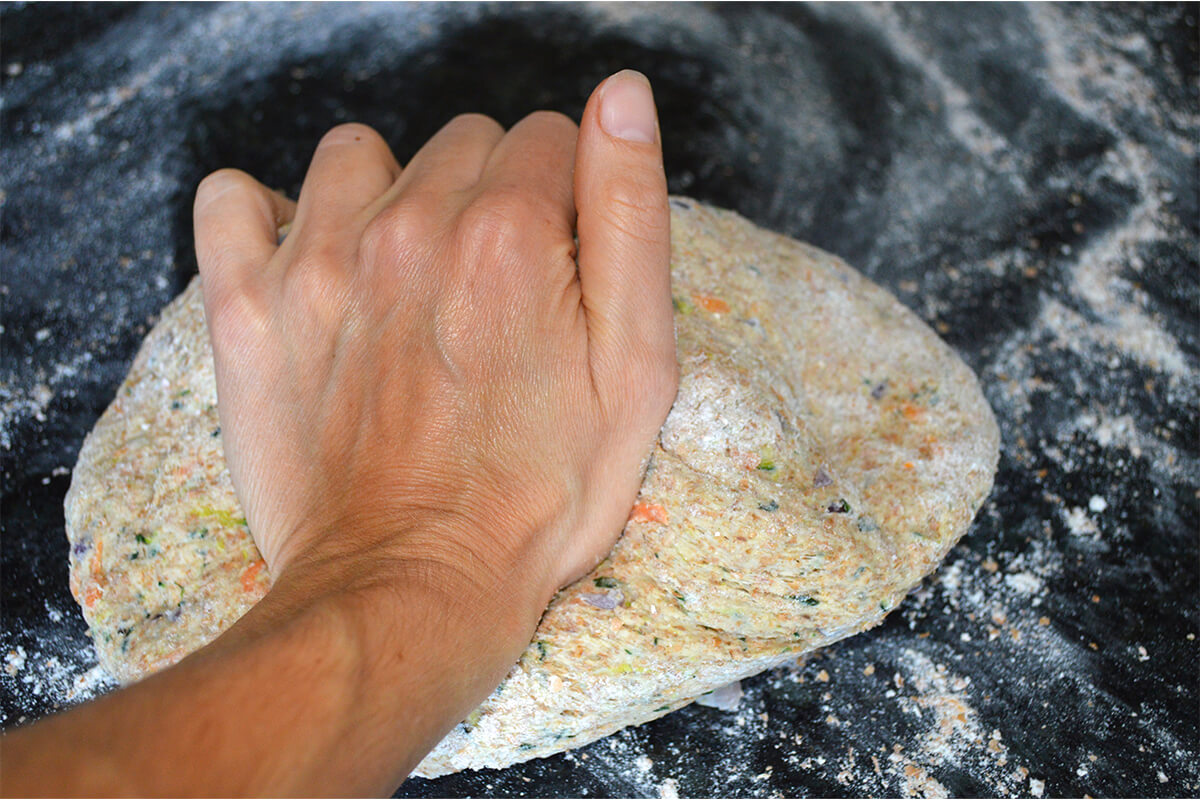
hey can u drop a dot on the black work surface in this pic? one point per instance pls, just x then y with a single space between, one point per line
1024 178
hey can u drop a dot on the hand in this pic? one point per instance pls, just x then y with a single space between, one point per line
427 369
435 413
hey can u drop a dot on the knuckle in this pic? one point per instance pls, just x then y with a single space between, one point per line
234 313
633 192
348 133
491 224
315 288
217 260
636 208
382 234
473 119
553 119
220 182
396 232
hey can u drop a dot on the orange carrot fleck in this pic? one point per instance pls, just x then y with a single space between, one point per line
93 594
648 512
709 303
909 465
94 564
910 411
250 574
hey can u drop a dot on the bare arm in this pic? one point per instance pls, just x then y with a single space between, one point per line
338 693
435 411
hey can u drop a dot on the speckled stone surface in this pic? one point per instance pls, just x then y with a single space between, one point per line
1024 178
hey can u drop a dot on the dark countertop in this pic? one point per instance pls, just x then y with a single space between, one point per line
1025 178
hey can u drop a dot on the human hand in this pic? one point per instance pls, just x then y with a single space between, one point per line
421 372
433 419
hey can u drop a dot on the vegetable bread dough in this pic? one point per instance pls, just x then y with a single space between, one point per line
825 450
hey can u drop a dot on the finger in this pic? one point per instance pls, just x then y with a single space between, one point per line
237 222
454 158
538 153
351 168
624 229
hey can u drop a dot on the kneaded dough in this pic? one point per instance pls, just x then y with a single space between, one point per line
825 450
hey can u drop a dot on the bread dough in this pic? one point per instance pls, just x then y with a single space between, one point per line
825 450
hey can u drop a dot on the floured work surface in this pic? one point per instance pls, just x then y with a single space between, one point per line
826 449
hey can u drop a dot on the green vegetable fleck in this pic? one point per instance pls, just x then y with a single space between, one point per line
804 599
221 515
606 582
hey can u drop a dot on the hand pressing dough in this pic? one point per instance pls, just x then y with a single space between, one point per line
825 450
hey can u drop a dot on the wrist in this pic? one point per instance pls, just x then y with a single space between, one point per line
404 642
475 570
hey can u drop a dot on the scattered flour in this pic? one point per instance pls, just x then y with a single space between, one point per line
16 404
14 660
952 733
56 672
1025 582
1079 523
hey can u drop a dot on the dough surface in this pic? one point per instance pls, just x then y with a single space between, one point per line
825 451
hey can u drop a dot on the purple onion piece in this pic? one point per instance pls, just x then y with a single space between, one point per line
822 478
605 600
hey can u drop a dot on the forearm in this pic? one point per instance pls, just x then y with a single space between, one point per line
317 690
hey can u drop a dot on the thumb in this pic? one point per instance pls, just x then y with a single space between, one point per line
624 228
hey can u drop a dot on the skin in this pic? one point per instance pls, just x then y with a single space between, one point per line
436 412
